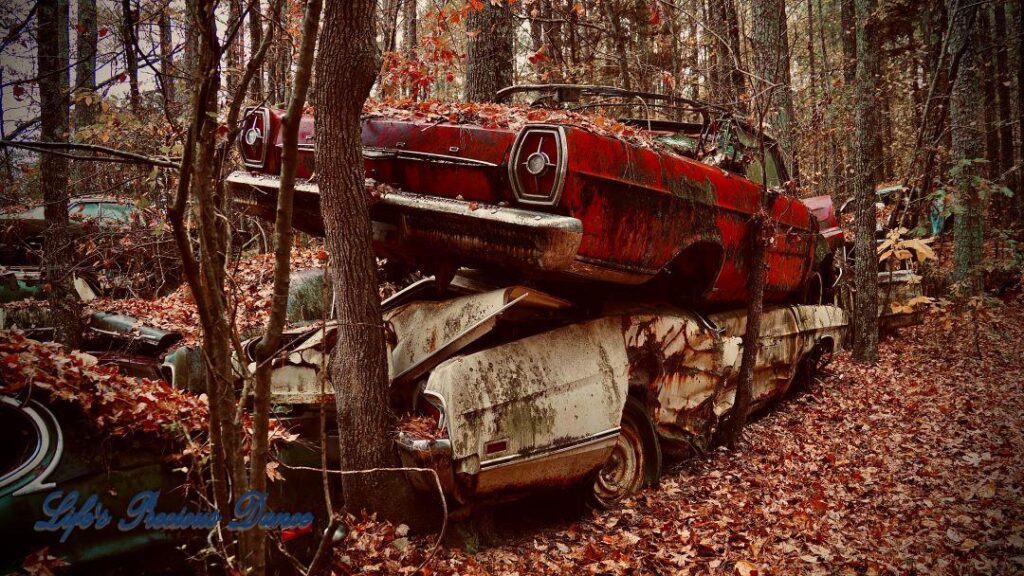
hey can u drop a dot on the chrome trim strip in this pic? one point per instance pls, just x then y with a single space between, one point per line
520 458
562 165
36 412
266 138
374 153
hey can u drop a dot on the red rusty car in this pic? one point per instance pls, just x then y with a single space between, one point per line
558 200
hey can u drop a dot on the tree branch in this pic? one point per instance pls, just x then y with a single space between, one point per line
120 155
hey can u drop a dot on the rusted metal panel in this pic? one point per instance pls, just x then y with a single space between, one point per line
427 333
561 389
681 363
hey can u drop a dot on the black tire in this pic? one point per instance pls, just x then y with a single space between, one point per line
635 461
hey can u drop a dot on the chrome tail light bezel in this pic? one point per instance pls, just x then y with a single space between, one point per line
264 114
517 158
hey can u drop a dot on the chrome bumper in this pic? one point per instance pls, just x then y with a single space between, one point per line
433 455
424 228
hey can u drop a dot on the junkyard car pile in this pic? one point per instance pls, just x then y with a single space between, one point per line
585 304
584 314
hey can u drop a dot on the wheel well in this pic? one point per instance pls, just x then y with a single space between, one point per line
696 267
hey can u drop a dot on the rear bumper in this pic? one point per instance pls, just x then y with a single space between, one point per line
425 228
433 455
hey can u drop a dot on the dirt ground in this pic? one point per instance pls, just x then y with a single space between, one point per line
910 467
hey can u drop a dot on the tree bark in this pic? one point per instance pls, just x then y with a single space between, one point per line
611 15
131 58
968 147
1007 151
726 79
848 25
771 63
389 24
410 40
346 65
490 51
988 83
865 320
1019 197
58 247
85 68
255 40
167 71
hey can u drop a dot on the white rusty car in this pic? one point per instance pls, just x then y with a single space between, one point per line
526 390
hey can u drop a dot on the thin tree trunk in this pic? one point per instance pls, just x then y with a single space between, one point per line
619 39
1003 83
85 68
771 63
255 40
235 49
1019 197
346 65
490 51
167 71
389 24
410 39
988 83
865 320
848 24
282 268
726 80
968 143
131 57
58 247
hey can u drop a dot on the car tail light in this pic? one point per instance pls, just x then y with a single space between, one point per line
252 139
537 165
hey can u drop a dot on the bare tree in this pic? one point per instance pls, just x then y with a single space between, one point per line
490 52
58 247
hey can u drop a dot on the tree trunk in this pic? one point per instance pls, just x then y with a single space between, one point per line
771 63
726 80
865 320
968 147
760 232
235 50
1019 197
255 40
410 39
389 24
85 67
490 51
346 65
612 16
409 34
167 71
988 83
131 57
848 24
58 247
1003 83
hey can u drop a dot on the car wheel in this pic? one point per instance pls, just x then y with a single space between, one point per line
634 462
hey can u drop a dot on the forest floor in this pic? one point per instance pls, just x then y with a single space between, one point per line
913 466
